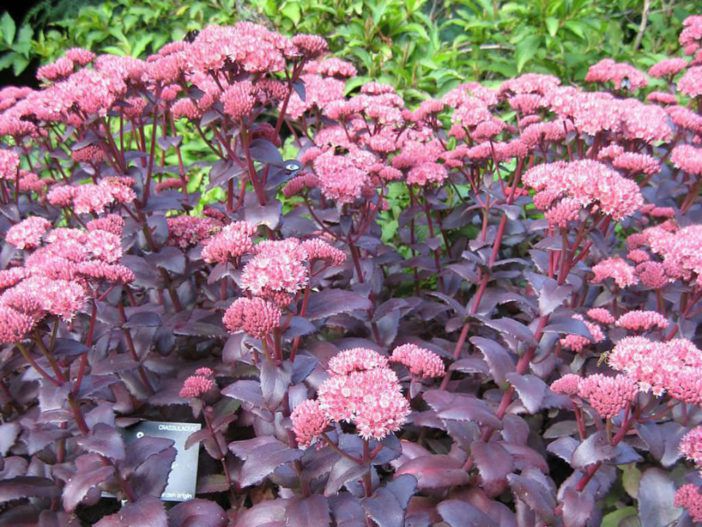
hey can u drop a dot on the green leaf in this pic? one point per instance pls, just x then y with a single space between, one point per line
614 519
292 11
526 50
552 25
8 28
20 64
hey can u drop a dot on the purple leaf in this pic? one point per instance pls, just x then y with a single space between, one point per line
307 511
151 477
347 511
248 392
91 471
26 487
577 507
656 495
343 472
534 494
330 302
388 504
268 513
459 513
266 152
492 460
461 408
497 357
563 447
262 456
530 388
594 449
197 513
8 435
435 472
104 440
147 512
275 381
511 328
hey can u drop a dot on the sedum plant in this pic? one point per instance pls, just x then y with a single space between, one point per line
520 349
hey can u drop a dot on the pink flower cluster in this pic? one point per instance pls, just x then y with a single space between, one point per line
584 183
198 384
255 316
691 446
421 362
617 269
674 366
361 390
608 395
233 240
642 321
689 497
621 74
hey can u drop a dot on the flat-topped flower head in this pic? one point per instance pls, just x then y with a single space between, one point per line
621 74
689 498
691 446
28 233
587 182
14 325
233 241
255 316
607 395
356 359
318 249
196 386
566 385
420 362
308 422
642 321
617 269
278 266
370 399
189 231
601 315
687 158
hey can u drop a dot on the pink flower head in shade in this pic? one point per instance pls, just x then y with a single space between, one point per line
188 231
255 316
427 174
619 73
14 325
9 164
419 361
621 272
196 385
239 100
308 422
111 223
566 385
341 177
278 266
689 498
575 342
691 446
97 270
589 182
652 274
691 83
691 36
233 241
688 159
318 249
660 97
642 321
12 276
601 315
356 359
667 67
607 395
27 234
635 163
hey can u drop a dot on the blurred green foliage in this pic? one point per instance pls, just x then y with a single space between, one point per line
420 46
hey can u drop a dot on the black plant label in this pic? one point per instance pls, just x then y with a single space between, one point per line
183 477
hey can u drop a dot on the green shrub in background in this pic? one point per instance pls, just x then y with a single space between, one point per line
419 46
